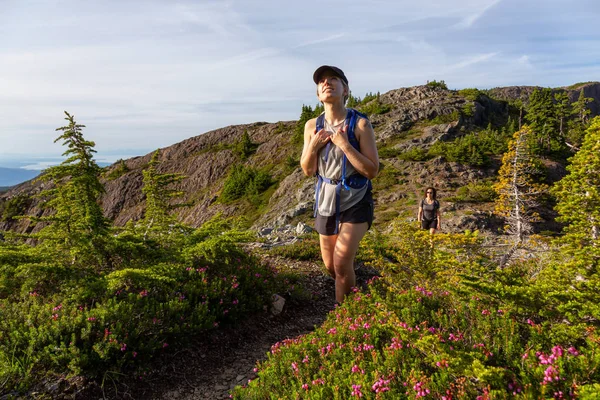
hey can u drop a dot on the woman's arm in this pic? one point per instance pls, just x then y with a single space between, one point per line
439 219
365 161
313 141
420 215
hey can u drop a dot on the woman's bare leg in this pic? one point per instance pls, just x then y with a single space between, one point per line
327 250
346 247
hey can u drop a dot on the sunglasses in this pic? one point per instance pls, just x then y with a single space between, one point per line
430 192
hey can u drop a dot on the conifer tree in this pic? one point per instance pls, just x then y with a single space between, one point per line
563 112
541 115
579 120
77 225
580 109
578 195
158 220
244 148
518 193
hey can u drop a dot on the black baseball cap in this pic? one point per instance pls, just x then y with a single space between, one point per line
328 68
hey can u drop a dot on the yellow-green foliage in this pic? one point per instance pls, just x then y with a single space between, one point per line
517 190
476 192
120 170
13 207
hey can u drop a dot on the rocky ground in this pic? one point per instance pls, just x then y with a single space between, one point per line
214 364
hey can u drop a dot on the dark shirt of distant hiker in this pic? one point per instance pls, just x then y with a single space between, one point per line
339 149
429 211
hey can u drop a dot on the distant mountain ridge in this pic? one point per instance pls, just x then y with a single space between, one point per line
419 117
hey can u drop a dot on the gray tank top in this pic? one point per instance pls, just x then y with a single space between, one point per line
332 169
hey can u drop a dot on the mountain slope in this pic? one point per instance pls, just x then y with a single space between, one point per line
419 117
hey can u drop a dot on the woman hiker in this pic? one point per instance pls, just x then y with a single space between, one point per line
339 148
429 211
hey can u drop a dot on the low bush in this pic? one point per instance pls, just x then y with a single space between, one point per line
444 323
470 93
244 181
64 319
119 170
437 84
306 249
415 154
475 193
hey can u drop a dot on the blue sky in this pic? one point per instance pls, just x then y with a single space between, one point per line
142 75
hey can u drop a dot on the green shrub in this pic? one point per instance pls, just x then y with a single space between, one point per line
63 321
441 322
244 147
307 249
415 154
306 114
375 107
445 118
244 181
470 93
468 110
435 84
475 193
118 171
13 207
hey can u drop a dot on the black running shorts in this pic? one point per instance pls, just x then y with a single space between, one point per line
358 213
429 224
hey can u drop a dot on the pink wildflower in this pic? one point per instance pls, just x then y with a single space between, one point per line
356 391
420 389
305 386
381 385
550 374
144 293
123 347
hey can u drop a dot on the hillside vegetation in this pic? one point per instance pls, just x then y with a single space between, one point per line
96 283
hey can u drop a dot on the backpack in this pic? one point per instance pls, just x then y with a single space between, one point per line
355 181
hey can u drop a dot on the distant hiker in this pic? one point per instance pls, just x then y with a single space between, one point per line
429 211
339 148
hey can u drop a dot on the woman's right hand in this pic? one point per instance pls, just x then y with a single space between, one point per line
319 139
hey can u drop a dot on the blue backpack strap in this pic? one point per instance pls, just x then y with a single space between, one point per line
351 119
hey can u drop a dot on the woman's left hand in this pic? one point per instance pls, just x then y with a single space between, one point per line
340 138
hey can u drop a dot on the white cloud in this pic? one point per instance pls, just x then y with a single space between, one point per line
471 18
149 74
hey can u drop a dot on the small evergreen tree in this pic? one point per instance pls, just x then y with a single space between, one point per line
158 220
563 112
245 148
518 193
578 196
579 120
541 115
306 114
77 226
